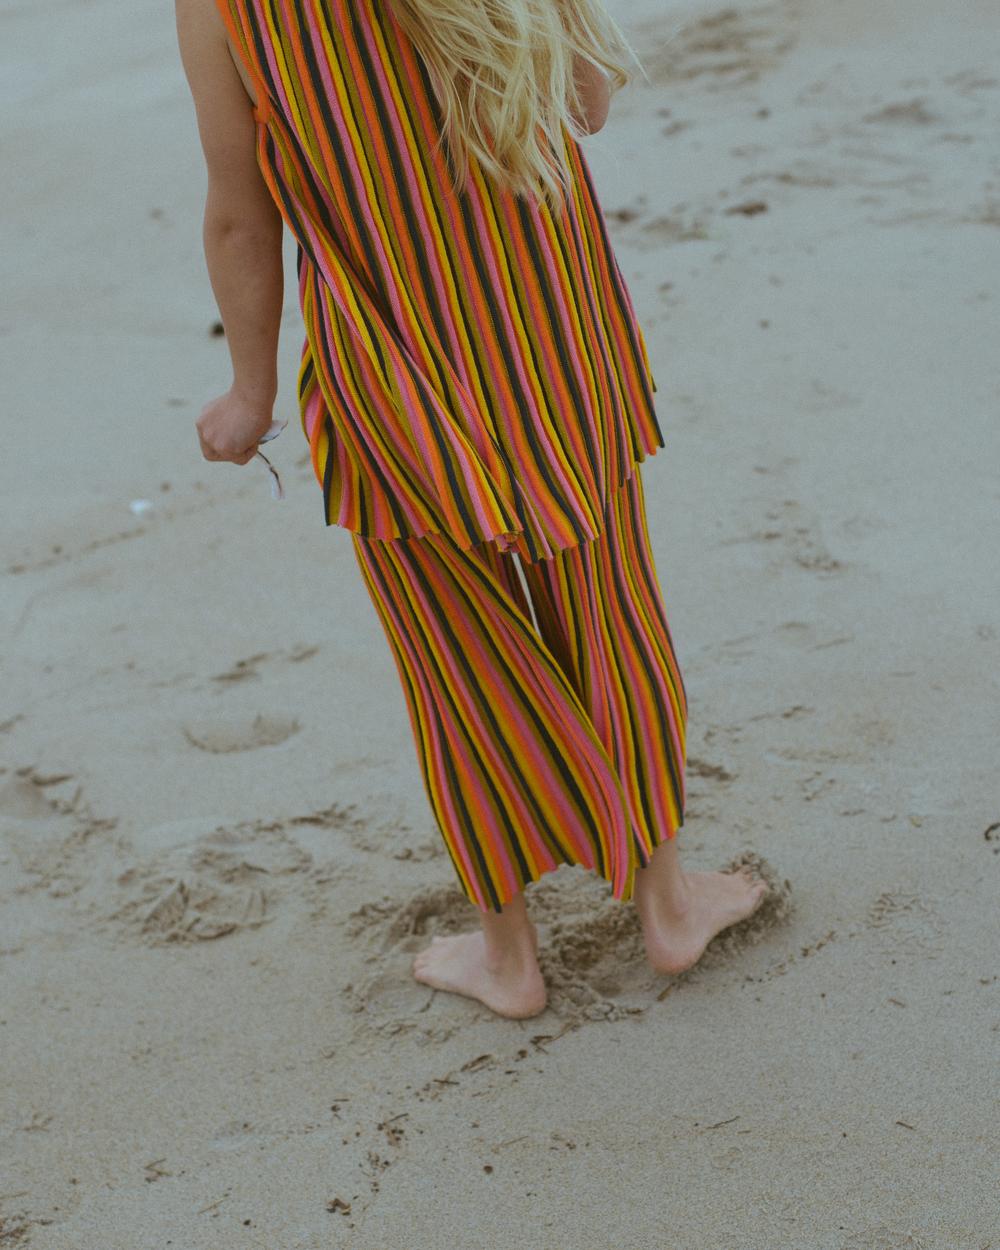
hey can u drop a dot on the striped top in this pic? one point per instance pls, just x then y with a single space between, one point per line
473 364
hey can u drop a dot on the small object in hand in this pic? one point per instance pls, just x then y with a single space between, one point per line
273 430
277 491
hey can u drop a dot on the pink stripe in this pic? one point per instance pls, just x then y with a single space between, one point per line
277 81
418 674
421 672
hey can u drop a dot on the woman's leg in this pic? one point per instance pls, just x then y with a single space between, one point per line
540 747
601 611
518 780
497 964
682 911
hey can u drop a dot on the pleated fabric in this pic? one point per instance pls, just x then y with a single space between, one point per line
473 365
539 746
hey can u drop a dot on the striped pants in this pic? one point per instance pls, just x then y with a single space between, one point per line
558 741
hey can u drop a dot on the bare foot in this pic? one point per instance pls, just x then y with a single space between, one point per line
677 931
511 986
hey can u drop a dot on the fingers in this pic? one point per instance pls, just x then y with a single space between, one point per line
207 450
240 457
229 429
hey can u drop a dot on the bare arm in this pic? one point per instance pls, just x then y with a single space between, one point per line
242 236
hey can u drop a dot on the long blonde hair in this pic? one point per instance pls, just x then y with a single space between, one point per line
503 74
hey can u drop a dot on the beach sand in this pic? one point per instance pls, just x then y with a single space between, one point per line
216 855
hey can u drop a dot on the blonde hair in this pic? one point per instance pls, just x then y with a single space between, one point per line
503 75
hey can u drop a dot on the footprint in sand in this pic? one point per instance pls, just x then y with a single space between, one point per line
909 113
730 48
249 665
710 770
407 925
243 669
906 923
55 841
796 530
385 999
594 960
217 884
21 798
221 736
679 225
591 950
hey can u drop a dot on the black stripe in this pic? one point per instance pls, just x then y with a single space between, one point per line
617 284
652 577
587 247
400 186
631 624
328 468
399 602
494 590
618 425
569 371
382 599
502 341
307 377
468 324
360 446
542 828
335 137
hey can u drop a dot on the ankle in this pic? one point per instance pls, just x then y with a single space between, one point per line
514 953
670 896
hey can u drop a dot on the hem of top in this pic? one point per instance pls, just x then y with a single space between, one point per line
506 541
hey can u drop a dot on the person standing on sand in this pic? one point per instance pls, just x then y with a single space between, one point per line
477 397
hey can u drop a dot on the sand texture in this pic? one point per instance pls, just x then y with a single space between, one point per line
216 855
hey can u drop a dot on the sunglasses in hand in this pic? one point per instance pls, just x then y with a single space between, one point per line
277 492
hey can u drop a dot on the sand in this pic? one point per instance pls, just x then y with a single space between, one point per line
215 852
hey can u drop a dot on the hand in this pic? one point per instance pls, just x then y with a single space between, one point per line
231 426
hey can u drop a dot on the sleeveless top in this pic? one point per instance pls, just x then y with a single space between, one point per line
472 365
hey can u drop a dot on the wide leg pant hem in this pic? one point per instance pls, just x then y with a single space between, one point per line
544 741
625 894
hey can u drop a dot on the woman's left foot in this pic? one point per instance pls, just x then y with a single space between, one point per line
677 930
511 987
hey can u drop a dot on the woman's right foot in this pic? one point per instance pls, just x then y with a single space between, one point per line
511 986
679 923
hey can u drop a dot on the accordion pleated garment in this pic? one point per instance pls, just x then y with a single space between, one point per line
473 365
559 741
